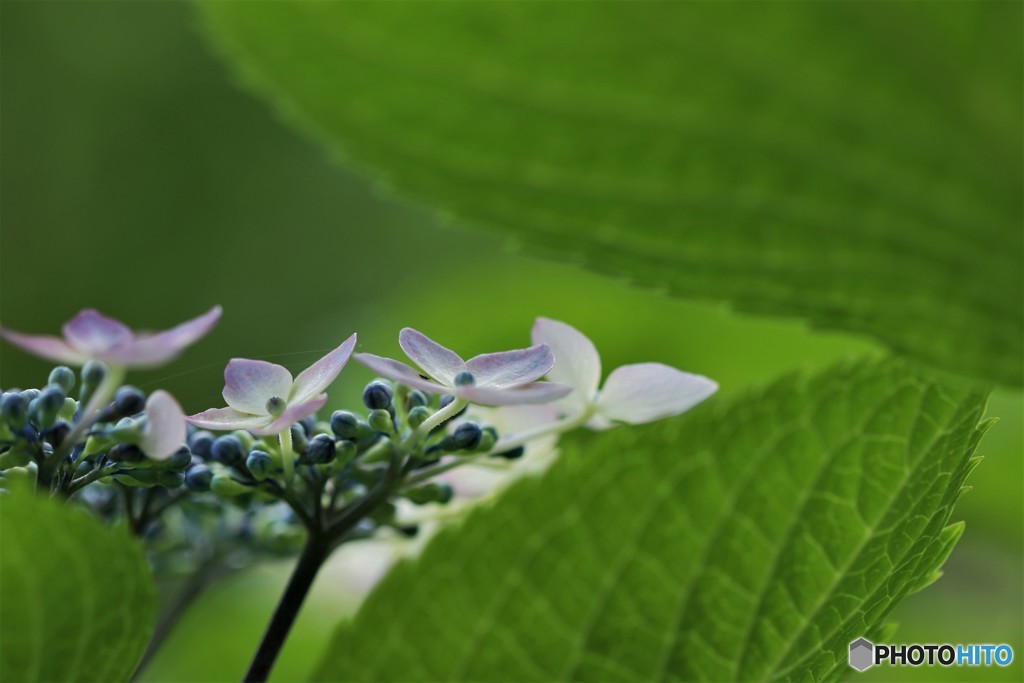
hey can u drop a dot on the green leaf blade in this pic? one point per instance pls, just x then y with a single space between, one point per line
77 601
748 541
792 160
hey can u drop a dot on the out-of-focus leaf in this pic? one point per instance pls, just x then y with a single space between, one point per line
752 540
856 164
77 600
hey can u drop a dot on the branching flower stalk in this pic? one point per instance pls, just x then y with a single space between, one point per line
278 480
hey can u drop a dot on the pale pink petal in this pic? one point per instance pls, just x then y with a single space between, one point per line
400 372
538 392
165 429
577 362
249 384
51 348
440 363
294 413
511 368
94 334
160 347
650 391
228 419
314 379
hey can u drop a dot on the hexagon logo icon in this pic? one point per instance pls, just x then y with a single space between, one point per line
862 654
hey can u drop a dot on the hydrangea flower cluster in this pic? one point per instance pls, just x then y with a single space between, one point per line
267 467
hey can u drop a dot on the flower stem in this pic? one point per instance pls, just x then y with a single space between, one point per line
314 553
438 418
287 455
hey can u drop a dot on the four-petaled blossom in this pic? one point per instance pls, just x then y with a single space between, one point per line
90 335
264 399
491 379
634 394
165 429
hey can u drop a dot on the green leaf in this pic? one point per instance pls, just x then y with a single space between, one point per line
854 164
749 540
77 600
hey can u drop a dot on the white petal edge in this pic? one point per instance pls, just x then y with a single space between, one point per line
645 392
317 377
228 420
577 362
165 429
511 368
441 363
538 392
400 372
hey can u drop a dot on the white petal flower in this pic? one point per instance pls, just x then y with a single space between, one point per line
492 379
263 398
634 394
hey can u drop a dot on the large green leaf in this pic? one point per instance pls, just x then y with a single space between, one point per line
857 164
750 540
77 601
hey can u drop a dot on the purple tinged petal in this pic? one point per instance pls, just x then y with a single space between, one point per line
577 362
318 376
165 429
538 392
511 368
294 413
228 420
45 346
158 348
400 372
249 384
645 392
440 363
94 334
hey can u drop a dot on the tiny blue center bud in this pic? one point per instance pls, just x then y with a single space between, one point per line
377 396
276 405
465 379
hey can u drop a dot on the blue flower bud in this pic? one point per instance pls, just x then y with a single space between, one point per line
93 373
179 460
259 463
56 434
45 407
299 441
201 443
417 416
377 395
30 395
344 424
416 399
512 454
14 410
465 379
276 405
125 452
63 377
466 436
228 450
308 426
321 450
129 401
198 477
381 421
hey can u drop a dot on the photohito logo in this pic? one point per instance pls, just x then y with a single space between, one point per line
864 654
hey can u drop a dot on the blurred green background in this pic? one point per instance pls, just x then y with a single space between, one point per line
136 178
